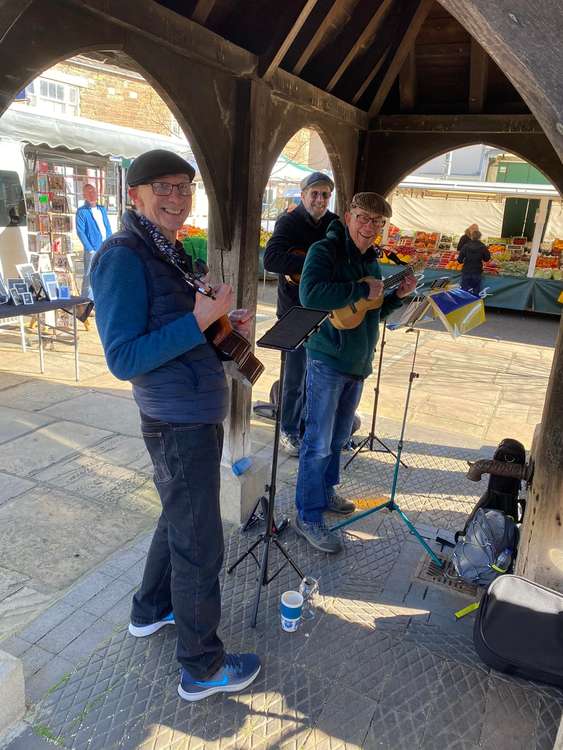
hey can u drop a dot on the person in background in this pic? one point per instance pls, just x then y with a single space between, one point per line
466 236
294 232
92 228
472 255
152 326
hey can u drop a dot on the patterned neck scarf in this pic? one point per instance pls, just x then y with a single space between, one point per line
166 250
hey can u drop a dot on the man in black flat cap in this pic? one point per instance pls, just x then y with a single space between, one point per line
294 233
152 325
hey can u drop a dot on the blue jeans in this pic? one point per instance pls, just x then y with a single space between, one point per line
334 398
293 403
86 285
186 553
471 283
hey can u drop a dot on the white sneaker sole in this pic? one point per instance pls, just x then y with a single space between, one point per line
218 689
141 631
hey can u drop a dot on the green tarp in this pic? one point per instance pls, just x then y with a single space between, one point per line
507 292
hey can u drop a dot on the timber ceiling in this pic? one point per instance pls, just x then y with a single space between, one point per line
383 56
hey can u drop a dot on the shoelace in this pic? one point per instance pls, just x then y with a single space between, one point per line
233 662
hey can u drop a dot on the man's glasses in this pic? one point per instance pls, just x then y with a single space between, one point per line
166 188
364 220
324 194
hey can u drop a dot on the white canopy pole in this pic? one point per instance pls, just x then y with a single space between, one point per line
541 216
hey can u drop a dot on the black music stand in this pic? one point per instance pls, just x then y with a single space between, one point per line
289 333
367 443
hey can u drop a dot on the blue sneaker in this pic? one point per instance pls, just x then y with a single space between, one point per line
238 671
140 631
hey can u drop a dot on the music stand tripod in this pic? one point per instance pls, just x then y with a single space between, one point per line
288 334
371 437
390 504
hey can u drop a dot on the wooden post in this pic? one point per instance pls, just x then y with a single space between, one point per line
540 555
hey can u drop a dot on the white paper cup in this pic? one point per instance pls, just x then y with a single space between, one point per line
291 606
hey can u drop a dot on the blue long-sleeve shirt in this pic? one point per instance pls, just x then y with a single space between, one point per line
88 230
122 311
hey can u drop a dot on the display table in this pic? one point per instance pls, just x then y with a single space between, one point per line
35 310
507 292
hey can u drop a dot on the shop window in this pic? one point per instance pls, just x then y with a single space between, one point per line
54 97
175 128
12 205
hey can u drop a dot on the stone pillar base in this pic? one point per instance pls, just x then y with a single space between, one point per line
12 691
239 494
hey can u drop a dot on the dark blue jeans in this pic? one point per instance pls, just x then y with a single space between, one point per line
471 282
293 416
186 553
328 424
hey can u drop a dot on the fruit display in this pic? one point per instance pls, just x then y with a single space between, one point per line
188 230
510 256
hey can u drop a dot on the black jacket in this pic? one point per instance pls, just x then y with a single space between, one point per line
462 240
472 255
293 229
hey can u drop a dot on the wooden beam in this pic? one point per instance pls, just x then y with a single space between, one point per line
456 124
405 44
478 77
362 42
316 39
407 83
202 11
369 78
282 41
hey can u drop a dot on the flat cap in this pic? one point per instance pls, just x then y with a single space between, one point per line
315 178
154 164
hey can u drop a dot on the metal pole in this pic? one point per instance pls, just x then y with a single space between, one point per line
40 339
74 330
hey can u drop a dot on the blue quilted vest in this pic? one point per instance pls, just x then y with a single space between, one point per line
192 387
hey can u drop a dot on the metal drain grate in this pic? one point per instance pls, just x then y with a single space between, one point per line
445 576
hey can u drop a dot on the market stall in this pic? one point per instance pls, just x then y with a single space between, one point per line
524 273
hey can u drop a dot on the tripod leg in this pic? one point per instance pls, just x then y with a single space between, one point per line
357 450
245 554
289 560
252 518
412 528
387 449
261 579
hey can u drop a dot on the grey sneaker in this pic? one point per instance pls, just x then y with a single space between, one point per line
339 504
318 536
289 445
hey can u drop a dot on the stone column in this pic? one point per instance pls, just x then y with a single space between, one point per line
540 556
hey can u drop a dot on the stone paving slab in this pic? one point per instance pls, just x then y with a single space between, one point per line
382 665
39 449
99 410
14 423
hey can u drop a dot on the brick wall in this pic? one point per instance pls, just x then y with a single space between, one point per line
114 98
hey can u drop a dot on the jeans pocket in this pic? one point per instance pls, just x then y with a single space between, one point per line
155 442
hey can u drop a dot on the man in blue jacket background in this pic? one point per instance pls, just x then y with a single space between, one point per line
92 228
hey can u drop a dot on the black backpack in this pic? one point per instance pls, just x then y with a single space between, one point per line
502 491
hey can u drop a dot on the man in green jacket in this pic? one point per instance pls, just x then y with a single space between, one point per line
339 270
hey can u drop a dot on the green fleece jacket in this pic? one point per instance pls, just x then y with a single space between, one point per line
329 281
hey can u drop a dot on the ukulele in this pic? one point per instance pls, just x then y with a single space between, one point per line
222 336
352 315
293 279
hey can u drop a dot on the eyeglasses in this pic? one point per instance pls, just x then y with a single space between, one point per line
166 188
324 194
364 220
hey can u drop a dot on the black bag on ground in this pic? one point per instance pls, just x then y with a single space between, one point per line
502 493
519 629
